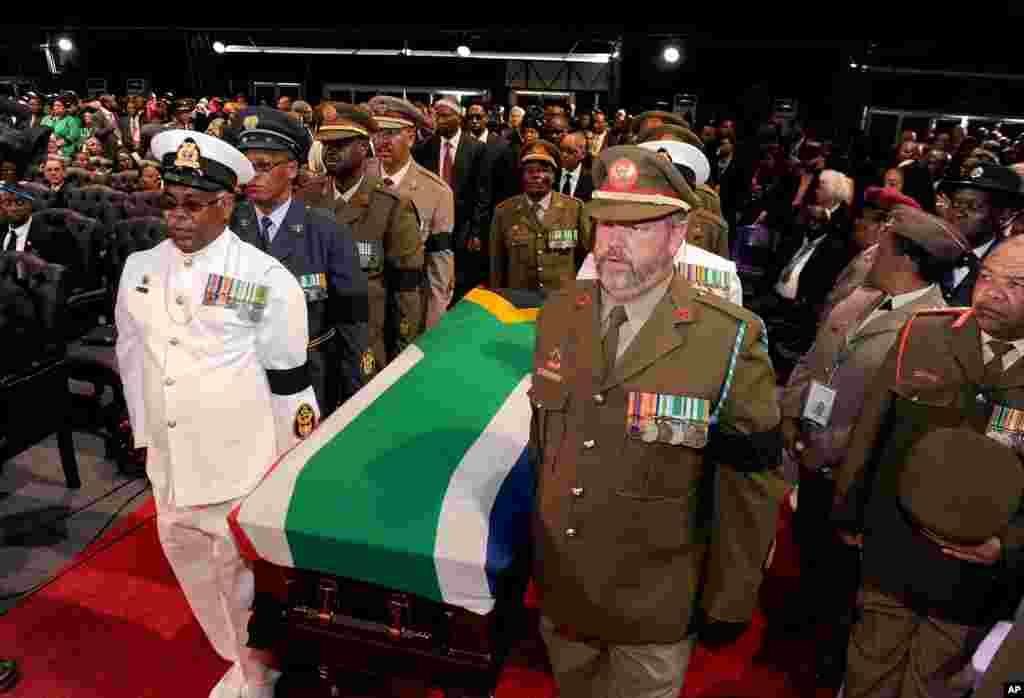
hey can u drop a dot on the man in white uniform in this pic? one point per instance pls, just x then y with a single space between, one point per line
212 338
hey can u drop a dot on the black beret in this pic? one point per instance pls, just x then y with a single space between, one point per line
264 128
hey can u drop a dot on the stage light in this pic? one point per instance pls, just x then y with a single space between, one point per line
671 54
463 51
64 44
218 47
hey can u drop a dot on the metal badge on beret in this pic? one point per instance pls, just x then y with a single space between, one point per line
251 121
305 421
405 328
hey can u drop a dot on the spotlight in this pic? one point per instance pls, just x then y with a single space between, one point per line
64 44
671 54
853 65
219 47
463 51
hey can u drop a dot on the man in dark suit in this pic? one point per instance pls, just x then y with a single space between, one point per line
979 205
505 179
461 161
23 234
130 127
321 253
573 179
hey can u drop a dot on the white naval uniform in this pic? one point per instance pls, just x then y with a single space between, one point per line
200 397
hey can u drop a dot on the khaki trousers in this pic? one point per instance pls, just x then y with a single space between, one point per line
894 653
597 670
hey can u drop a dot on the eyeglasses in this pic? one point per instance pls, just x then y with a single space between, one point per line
192 207
267 166
965 206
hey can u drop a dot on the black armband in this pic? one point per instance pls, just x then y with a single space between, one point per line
351 309
399 280
746 453
289 381
438 242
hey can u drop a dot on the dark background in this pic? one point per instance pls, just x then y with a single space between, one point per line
732 77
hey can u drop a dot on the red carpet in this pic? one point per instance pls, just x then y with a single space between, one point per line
115 625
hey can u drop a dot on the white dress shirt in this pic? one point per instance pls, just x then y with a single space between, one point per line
574 176
482 137
454 142
396 178
276 218
544 204
1009 358
960 273
21 235
789 288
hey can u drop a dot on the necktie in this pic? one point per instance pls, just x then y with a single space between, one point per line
994 368
537 213
797 258
389 183
265 225
567 184
448 165
886 306
610 345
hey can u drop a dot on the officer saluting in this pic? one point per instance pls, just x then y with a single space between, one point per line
318 251
540 238
211 345
652 402
386 229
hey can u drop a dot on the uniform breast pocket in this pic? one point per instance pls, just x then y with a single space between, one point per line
230 324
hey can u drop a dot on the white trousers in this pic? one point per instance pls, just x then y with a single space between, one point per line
218 584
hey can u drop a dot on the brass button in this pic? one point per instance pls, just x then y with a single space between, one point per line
180 300
540 269
599 399
169 381
589 444
570 532
171 424
577 491
188 261
175 341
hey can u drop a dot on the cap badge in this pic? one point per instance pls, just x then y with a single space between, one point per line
622 175
683 314
305 421
188 156
251 122
977 172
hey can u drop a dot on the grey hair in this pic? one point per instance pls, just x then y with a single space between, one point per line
517 110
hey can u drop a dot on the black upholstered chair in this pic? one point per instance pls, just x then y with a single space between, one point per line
143 204
34 397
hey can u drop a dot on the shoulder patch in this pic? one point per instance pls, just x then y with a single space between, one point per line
957 316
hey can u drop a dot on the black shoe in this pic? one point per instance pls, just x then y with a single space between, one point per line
8 674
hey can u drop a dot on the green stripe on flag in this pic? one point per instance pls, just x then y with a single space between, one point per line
409 455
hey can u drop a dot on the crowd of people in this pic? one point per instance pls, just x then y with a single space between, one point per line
877 353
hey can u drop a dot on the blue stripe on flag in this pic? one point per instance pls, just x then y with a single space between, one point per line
509 527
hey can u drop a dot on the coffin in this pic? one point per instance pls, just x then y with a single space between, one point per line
394 540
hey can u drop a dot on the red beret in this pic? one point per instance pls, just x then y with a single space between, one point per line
887 198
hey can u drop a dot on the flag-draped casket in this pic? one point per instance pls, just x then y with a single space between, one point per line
394 536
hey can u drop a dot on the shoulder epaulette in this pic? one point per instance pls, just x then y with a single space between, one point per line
433 177
957 316
509 201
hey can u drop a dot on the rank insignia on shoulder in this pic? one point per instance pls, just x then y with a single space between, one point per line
296 228
583 300
369 364
405 328
671 419
305 421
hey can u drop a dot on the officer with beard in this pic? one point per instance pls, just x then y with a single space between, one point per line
386 229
